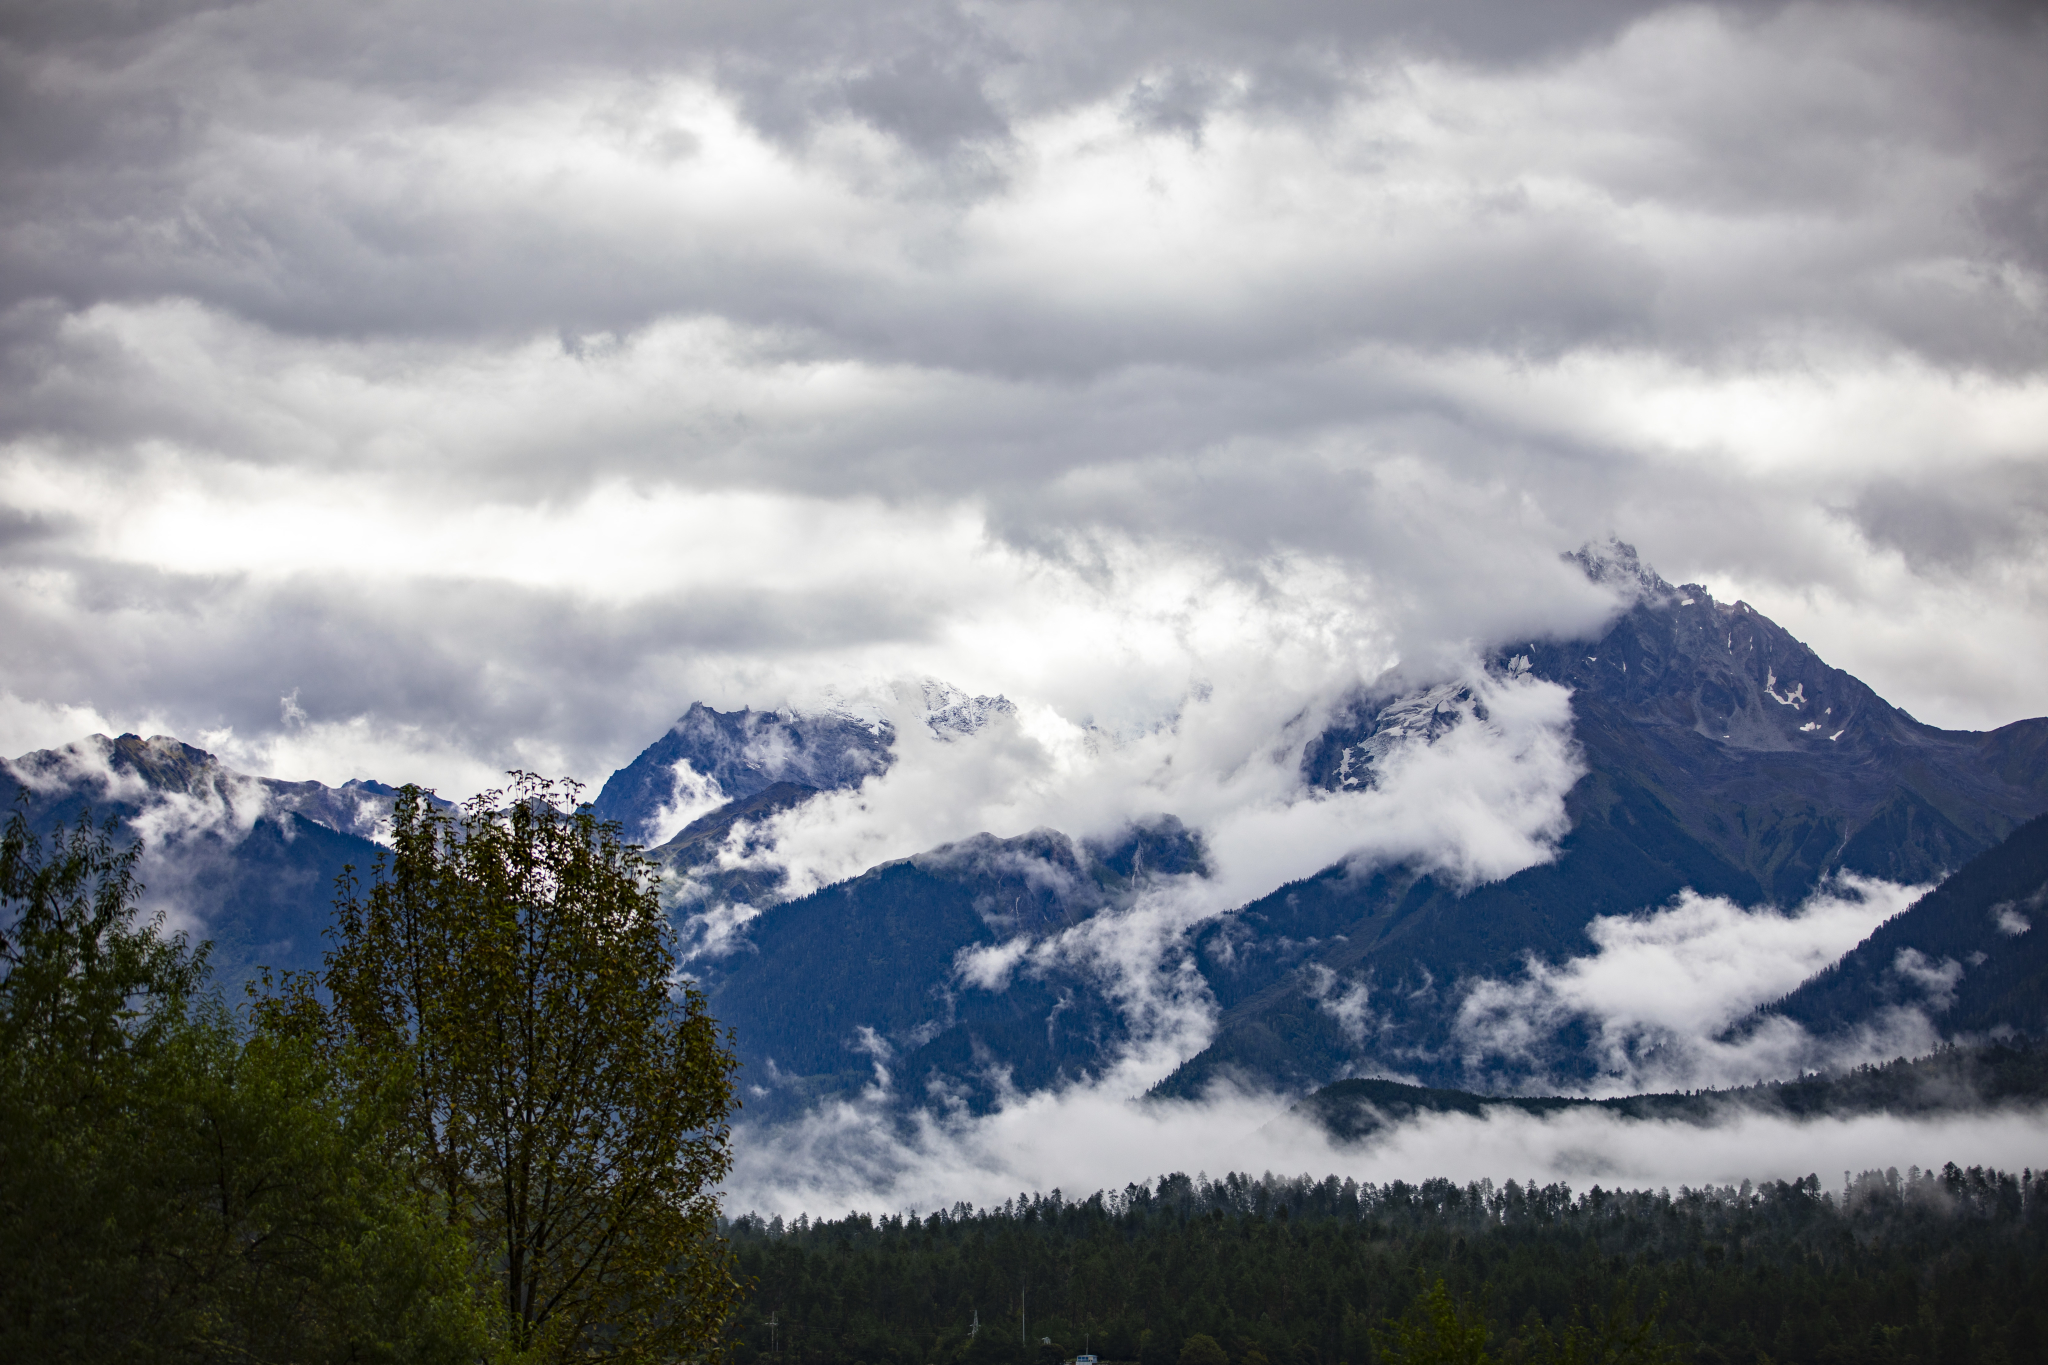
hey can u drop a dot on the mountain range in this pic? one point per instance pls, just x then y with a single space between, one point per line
1722 756
1716 754
248 863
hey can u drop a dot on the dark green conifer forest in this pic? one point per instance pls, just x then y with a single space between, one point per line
1925 1266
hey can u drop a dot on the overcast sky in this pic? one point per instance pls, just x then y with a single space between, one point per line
415 390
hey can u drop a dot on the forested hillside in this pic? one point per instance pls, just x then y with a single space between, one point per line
1923 1266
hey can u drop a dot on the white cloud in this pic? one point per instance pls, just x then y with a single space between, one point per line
1662 990
1936 979
1348 1002
176 822
989 967
1582 1146
370 748
27 725
1483 801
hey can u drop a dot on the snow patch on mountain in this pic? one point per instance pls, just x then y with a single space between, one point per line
1419 718
950 713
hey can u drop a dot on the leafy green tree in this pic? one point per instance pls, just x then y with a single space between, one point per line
1203 1349
569 1098
89 1002
297 1237
1436 1330
172 1184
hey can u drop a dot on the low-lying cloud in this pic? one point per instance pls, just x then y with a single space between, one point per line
1479 803
182 827
858 1156
1656 998
1476 803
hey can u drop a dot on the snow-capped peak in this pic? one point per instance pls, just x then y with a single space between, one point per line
951 713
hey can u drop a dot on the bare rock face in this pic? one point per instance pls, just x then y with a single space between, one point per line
1723 670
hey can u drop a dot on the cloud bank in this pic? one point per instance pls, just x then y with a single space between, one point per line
1656 999
1477 804
846 1160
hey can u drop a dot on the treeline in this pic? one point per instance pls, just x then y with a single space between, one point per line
1941 1267
1953 1079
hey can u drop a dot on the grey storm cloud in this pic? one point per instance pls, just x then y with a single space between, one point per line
503 379
291 164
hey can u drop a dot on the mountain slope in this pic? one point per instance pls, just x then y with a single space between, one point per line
1972 953
921 967
710 759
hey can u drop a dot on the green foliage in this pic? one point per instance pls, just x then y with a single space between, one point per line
85 990
1436 1330
174 1185
1202 1349
567 1102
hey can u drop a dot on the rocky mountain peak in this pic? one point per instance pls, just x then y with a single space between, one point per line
951 713
1677 657
1616 565
711 758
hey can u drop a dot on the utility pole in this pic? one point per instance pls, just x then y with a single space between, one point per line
1022 1340
771 1331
